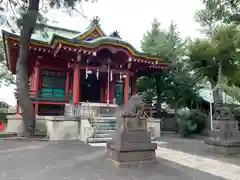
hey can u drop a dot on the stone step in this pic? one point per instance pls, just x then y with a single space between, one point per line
105 119
102 135
106 127
102 124
99 140
108 115
104 131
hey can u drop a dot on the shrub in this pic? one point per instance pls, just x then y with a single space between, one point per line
192 122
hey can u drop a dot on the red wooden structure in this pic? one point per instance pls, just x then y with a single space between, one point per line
90 67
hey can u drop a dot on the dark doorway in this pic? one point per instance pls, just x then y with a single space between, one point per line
90 88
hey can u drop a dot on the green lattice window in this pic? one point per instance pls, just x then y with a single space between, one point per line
53 84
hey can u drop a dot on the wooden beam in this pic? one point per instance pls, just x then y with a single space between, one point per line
104 69
55 52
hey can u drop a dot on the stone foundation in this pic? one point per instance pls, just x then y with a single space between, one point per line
131 143
226 147
132 154
60 128
224 138
154 127
14 124
132 164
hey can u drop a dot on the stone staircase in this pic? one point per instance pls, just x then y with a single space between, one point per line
100 116
104 129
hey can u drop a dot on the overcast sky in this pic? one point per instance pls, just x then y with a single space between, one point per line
130 17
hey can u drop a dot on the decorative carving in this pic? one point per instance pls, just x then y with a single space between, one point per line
133 111
95 21
135 106
115 34
222 114
131 143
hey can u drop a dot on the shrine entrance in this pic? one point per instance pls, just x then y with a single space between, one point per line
90 88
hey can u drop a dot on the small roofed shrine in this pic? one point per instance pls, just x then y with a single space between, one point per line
89 67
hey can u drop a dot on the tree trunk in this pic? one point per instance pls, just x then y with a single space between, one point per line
217 97
217 93
28 114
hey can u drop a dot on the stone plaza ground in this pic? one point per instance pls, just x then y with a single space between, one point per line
179 159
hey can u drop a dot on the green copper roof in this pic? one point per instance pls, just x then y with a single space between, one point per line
99 41
45 32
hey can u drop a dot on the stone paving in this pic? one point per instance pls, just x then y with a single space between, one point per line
196 147
26 160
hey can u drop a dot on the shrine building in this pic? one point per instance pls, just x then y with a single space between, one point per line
87 67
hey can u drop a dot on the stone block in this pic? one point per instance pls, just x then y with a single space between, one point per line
59 130
130 156
41 125
131 143
14 124
226 147
154 127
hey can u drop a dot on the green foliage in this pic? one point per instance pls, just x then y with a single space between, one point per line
3 111
205 55
209 16
22 16
236 113
6 77
223 11
176 86
230 11
192 122
231 90
151 40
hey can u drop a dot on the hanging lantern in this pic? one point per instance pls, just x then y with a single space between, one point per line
97 74
111 76
120 77
86 73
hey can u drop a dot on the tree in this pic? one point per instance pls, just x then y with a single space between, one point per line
227 11
230 11
209 16
217 57
6 77
29 14
167 85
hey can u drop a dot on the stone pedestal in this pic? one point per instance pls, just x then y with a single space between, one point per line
63 128
131 143
14 124
225 137
154 127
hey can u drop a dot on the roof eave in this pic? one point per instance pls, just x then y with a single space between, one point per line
80 42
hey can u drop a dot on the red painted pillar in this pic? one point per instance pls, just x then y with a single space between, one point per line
112 90
67 85
134 84
126 90
37 77
76 84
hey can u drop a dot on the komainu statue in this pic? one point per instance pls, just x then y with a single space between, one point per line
133 111
131 143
